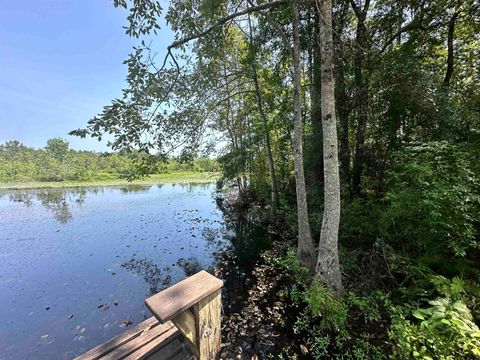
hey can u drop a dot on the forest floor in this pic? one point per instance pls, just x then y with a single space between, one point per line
174 177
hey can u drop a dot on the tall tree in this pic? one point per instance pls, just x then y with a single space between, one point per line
306 251
314 151
342 99
361 95
328 267
58 148
130 118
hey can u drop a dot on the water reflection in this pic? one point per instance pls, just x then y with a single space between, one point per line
153 275
190 266
191 187
135 188
25 198
248 236
56 201
61 201
156 277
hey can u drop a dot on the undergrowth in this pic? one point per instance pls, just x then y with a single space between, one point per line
429 317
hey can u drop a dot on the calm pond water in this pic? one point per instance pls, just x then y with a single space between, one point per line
77 264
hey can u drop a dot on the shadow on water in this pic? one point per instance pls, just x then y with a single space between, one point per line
247 233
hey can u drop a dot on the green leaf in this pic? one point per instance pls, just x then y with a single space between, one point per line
418 314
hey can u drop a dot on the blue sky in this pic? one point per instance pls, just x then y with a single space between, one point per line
60 63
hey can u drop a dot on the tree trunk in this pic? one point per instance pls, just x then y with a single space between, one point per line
316 110
343 113
361 98
341 97
451 32
306 251
328 267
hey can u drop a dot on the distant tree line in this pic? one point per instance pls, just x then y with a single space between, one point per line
57 162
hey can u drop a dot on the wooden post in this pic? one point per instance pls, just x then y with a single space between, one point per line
194 306
208 325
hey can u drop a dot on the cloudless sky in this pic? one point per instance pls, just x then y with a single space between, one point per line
60 63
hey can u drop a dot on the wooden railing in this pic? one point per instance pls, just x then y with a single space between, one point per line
194 306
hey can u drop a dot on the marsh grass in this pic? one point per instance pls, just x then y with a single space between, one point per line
173 177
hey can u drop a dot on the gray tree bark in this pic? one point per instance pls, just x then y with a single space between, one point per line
306 251
328 266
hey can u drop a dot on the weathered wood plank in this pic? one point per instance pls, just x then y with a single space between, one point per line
166 344
180 297
105 348
153 337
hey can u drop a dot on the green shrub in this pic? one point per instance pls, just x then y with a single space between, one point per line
433 200
356 227
292 267
445 330
321 326
368 305
320 304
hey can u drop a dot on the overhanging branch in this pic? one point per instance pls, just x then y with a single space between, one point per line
223 20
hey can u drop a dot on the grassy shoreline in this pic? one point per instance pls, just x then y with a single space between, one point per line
174 177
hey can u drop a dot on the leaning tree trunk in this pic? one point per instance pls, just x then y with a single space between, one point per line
306 251
328 267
